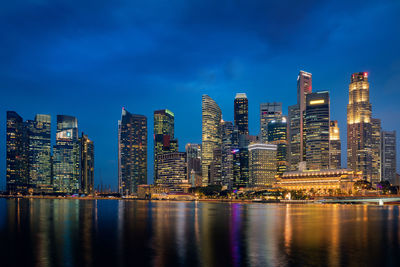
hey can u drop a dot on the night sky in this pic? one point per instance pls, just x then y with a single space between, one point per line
91 58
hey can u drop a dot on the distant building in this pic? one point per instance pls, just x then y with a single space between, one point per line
172 170
241 113
295 155
87 165
132 152
335 146
211 134
228 146
277 134
268 112
216 167
376 150
16 154
193 159
39 153
359 132
262 164
66 162
316 128
320 182
164 141
389 156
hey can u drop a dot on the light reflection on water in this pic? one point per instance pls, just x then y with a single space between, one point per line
44 232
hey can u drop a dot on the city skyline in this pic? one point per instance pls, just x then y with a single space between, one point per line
45 87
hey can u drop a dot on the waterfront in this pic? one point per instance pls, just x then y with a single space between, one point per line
66 232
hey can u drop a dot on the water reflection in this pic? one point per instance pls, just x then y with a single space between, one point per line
124 233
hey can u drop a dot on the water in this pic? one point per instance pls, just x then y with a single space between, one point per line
44 232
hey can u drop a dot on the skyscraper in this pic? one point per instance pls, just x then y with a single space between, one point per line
227 155
296 120
193 159
163 136
389 156
376 150
211 134
359 154
268 112
335 146
316 128
294 140
16 154
66 162
39 153
241 113
262 164
277 134
87 165
132 152
172 170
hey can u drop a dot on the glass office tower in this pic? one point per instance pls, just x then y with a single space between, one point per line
277 134
132 152
268 112
241 113
389 156
87 165
335 146
376 130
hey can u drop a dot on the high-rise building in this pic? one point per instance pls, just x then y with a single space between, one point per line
216 167
262 164
335 146
227 155
296 131
359 132
376 150
172 170
39 153
66 162
87 165
16 154
268 112
277 134
132 152
294 140
211 134
193 159
389 156
241 113
316 128
164 141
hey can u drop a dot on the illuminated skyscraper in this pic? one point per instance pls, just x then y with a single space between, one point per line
17 154
193 159
376 150
294 139
241 113
66 162
87 165
335 146
227 155
262 164
277 134
296 121
268 112
316 128
164 141
39 153
359 132
132 152
211 134
389 156
172 170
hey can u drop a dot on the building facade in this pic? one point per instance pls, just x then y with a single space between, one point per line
132 152
359 131
211 135
87 165
277 134
193 159
241 113
262 164
335 146
172 170
294 138
268 112
389 156
376 130
316 129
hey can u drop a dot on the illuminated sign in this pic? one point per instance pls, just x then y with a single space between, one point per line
316 102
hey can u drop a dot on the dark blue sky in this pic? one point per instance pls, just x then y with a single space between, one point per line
91 59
